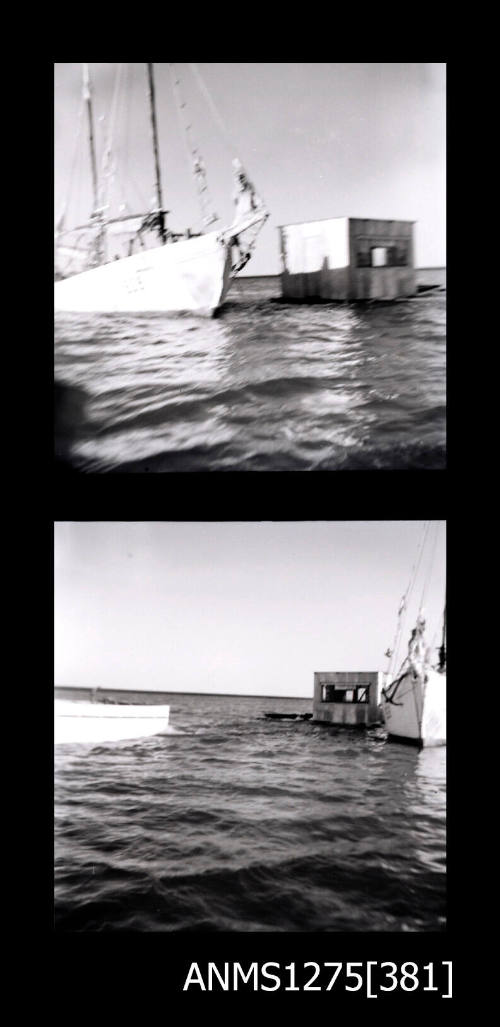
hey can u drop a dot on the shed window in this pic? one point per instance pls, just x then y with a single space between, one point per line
334 693
379 256
390 255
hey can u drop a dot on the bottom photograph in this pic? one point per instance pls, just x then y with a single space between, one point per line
250 726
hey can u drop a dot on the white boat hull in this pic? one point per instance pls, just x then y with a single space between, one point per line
417 712
190 275
106 722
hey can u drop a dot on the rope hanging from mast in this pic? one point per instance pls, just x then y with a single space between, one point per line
87 96
97 246
78 134
392 654
195 160
108 169
250 212
418 657
427 575
217 117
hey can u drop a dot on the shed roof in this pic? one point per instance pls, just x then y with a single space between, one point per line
347 217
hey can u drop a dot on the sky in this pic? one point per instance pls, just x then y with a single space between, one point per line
252 608
317 141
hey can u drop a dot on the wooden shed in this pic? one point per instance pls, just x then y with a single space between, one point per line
347 697
347 259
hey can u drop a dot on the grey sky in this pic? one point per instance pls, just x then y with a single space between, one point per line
318 140
243 607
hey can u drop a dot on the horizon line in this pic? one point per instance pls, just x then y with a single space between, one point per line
161 691
277 274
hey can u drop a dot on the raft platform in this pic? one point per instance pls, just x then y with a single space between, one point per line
288 716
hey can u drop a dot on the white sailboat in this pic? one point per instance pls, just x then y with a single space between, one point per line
96 722
156 269
414 699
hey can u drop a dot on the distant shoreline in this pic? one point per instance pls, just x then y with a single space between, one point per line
146 691
246 278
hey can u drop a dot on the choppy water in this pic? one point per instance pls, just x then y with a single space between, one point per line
244 824
266 386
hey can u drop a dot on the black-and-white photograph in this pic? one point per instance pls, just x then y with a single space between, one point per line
250 726
250 267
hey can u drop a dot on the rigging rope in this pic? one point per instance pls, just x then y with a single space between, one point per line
403 606
126 183
107 165
123 174
430 568
213 108
78 133
241 237
126 144
216 115
195 160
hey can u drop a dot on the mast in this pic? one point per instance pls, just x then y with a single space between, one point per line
93 162
96 255
161 214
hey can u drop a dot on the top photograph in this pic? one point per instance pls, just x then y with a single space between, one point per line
250 267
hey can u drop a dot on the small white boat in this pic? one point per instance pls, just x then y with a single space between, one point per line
106 722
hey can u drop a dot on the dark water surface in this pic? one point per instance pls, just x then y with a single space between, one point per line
238 823
266 386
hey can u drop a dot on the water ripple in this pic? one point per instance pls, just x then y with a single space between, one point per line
245 824
266 386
